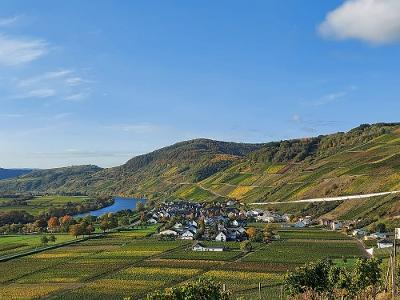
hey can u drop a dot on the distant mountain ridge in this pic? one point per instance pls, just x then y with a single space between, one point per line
11 173
365 159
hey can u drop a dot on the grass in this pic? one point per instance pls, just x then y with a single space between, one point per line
14 244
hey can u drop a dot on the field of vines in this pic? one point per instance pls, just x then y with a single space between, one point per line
132 264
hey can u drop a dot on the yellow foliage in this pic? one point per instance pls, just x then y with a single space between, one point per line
27 291
274 169
240 191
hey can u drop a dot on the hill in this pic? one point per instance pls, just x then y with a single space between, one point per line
11 173
364 160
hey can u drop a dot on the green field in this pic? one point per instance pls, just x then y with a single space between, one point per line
14 244
41 204
128 263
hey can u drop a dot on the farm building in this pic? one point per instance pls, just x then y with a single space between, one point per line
201 247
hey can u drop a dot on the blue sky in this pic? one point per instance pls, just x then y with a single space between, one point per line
97 82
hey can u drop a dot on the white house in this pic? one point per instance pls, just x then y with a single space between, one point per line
336 225
178 226
169 232
187 235
235 223
202 247
266 218
385 244
221 237
152 221
307 220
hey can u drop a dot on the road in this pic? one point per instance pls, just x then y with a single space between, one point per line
328 199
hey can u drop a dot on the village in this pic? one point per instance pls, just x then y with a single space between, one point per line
231 221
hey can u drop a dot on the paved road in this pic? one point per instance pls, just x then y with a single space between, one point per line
328 199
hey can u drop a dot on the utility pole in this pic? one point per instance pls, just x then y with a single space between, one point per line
394 290
394 262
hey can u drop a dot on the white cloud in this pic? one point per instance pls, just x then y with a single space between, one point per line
141 128
76 97
43 78
36 93
16 51
55 83
9 21
373 21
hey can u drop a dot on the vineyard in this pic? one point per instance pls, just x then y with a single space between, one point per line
130 264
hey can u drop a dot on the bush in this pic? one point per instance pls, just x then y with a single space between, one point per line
201 289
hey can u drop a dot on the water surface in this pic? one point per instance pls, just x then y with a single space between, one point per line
119 204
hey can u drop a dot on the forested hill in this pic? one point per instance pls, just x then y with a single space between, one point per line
365 159
11 173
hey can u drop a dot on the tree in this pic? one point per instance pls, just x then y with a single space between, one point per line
89 229
201 289
380 227
140 206
66 219
52 223
105 225
251 232
52 238
75 230
269 232
245 246
44 240
325 280
123 221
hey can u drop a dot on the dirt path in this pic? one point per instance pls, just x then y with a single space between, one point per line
329 199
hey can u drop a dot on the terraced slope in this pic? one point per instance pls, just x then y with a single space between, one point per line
363 160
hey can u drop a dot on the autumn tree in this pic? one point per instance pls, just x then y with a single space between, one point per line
251 232
76 230
269 232
52 223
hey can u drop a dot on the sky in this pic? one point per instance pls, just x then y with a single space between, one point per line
98 82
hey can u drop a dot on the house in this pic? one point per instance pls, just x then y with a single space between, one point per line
169 232
359 232
307 220
152 221
221 237
201 247
187 235
192 228
231 203
266 218
336 225
178 226
235 223
379 235
193 223
299 224
385 244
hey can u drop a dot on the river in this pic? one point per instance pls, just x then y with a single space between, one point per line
119 204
